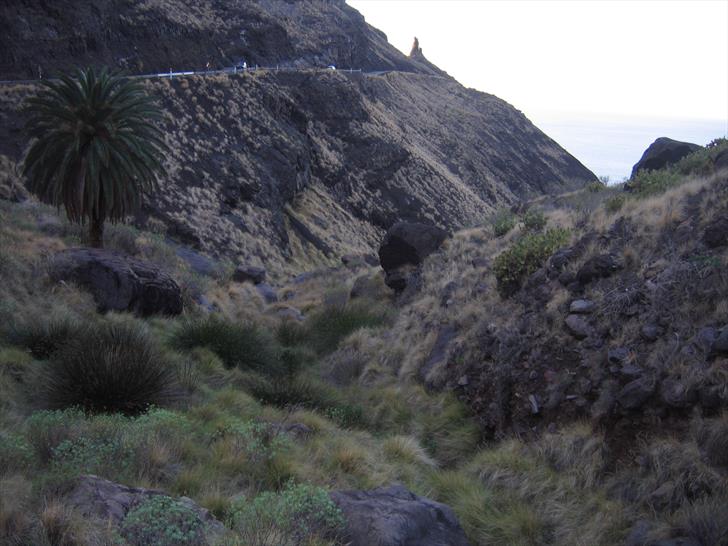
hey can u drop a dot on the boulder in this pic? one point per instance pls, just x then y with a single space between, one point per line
405 246
117 282
716 233
249 273
635 393
597 267
267 292
577 326
393 516
662 153
581 307
108 501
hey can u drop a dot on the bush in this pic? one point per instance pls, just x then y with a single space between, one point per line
106 457
238 345
526 256
647 183
163 521
533 220
615 203
330 326
293 517
503 221
43 336
112 366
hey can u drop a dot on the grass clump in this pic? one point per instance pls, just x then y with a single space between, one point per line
503 221
43 336
526 256
327 328
615 203
296 516
240 345
110 366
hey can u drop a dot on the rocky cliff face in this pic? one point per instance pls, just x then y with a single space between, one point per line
292 168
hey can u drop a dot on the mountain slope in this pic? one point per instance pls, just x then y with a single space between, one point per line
293 168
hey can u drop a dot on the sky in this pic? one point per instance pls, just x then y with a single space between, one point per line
558 61
647 58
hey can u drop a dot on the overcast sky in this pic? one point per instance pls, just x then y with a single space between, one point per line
666 59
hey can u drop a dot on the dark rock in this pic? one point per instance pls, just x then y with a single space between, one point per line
635 393
566 278
578 326
407 244
597 267
108 501
581 307
118 283
631 370
711 396
677 394
199 263
662 153
354 261
393 516
249 273
268 293
720 345
618 355
561 258
716 233
651 332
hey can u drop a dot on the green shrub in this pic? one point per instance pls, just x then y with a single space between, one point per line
615 203
16 454
258 442
526 256
503 221
297 516
46 430
291 333
112 366
237 344
163 521
533 220
107 457
647 183
327 328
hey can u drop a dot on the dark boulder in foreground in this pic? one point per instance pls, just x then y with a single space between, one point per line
405 247
117 282
107 501
662 153
249 273
394 516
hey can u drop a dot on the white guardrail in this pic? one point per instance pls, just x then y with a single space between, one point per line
231 70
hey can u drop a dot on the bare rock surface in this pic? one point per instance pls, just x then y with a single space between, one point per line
117 282
394 516
662 153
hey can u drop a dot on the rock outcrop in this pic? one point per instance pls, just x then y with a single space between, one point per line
662 153
109 502
117 282
393 516
404 248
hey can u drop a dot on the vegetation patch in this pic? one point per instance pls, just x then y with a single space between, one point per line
526 256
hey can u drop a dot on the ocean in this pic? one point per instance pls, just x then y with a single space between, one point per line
611 145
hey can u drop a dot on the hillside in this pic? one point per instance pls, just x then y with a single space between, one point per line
535 429
291 169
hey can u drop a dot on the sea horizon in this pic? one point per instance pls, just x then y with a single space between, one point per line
609 145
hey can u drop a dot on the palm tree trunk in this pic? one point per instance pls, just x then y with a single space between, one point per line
96 232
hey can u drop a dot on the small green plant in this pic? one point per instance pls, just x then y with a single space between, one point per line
240 345
296 516
107 457
46 430
533 220
615 203
597 186
503 221
112 366
259 442
526 256
163 521
16 454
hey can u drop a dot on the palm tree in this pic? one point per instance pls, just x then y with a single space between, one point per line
96 147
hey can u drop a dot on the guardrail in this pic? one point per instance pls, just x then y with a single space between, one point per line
231 70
